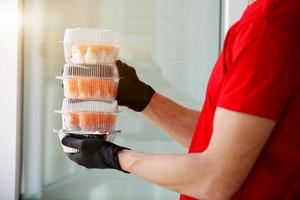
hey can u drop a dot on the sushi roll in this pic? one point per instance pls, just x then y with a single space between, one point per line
106 88
105 121
71 88
88 121
71 121
77 42
96 88
97 121
96 54
90 82
78 54
87 88
81 115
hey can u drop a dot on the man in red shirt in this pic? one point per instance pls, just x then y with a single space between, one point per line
246 144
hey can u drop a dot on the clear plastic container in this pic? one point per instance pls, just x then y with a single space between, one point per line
95 82
90 46
81 115
108 136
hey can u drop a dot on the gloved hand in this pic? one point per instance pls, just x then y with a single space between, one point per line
132 92
94 153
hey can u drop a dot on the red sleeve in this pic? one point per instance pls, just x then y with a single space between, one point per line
261 75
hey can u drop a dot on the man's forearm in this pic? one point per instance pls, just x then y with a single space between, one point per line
215 173
181 173
179 122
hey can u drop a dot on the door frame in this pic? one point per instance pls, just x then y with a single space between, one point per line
11 103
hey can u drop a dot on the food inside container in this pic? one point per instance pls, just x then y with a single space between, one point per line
98 82
89 121
70 88
90 46
94 54
71 121
97 121
80 115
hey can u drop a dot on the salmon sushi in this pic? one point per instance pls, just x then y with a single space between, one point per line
96 54
106 88
71 88
87 88
88 121
78 53
105 121
97 88
71 121
97 121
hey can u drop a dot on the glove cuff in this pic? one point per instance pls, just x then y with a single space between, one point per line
144 96
109 155
116 160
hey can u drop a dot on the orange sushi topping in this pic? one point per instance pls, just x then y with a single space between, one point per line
74 119
105 87
100 48
80 47
71 87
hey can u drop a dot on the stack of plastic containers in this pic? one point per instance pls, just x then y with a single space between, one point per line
90 79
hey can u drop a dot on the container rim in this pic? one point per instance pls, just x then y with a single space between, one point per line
115 45
91 112
64 131
87 77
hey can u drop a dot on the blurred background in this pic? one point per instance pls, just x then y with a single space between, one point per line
173 44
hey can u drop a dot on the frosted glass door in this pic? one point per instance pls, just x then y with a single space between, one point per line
173 45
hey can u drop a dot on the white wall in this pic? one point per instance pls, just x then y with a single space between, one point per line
186 44
233 11
10 104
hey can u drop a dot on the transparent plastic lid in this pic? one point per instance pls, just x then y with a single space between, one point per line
71 105
100 71
90 36
89 121
90 88
91 53
94 82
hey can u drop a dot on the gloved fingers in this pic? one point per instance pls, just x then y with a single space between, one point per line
119 63
126 72
121 68
72 142
76 157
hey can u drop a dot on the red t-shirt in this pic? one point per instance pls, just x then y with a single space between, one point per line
258 73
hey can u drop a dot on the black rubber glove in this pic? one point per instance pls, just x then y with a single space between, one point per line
94 153
132 92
